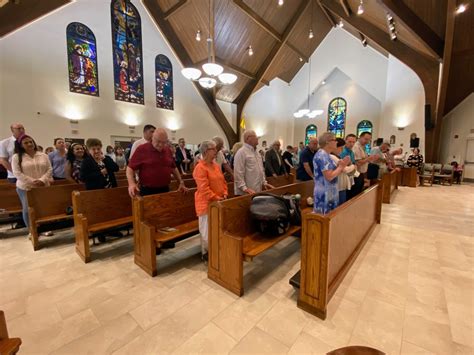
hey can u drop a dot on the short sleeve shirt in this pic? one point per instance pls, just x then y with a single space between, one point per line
7 148
154 167
58 163
349 153
306 157
360 153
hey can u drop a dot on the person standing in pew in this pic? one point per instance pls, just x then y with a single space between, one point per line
221 159
359 179
147 134
154 164
305 166
31 169
249 176
326 172
274 164
184 158
211 186
58 159
346 179
75 155
97 171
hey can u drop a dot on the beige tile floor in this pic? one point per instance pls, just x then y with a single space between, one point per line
411 291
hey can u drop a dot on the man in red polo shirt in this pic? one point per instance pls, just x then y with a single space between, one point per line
154 163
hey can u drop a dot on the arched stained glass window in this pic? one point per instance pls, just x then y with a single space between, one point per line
127 52
337 116
82 59
365 126
311 132
164 82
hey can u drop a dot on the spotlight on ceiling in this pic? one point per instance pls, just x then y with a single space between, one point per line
311 34
360 9
198 35
280 2
301 59
250 51
323 82
461 8
340 24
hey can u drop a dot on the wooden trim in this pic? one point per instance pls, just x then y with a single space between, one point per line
416 26
345 6
183 56
297 51
328 15
174 9
258 19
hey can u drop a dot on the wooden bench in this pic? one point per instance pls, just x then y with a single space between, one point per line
96 211
390 184
281 180
408 177
47 205
189 183
9 201
234 238
8 346
151 214
330 244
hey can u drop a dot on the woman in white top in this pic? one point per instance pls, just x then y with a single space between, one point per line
31 169
346 179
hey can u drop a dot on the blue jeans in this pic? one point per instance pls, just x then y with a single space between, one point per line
24 204
342 197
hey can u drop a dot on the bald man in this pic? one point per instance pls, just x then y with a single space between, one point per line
7 149
249 176
154 163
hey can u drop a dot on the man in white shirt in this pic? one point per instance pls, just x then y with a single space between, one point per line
249 175
148 131
360 154
7 149
220 158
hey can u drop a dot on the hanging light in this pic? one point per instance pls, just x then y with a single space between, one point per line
191 73
360 9
301 59
227 78
207 83
298 114
280 2
212 69
461 8
315 113
323 82
250 51
311 34
198 35
340 24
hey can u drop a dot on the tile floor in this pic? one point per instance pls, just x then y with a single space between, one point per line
411 291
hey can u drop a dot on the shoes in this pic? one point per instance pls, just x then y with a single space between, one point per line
19 225
48 234
30 236
101 238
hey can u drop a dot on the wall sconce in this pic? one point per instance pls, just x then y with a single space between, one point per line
131 129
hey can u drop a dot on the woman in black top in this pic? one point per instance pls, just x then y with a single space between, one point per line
97 170
415 160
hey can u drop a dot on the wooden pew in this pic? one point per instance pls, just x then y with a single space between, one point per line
408 177
153 213
49 204
189 183
9 200
233 237
96 211
390 184
8 346
281 180
330 244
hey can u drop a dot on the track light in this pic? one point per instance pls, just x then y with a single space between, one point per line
250 51
323 82
364 42
391 27
393 36
311 34
301 59
360 9
198 35
280 2
461 8
340 24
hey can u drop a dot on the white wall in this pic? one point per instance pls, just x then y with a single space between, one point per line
459 122
404 105
34 78
360 105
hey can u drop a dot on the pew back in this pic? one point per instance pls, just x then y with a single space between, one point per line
281 180
9 201
390 184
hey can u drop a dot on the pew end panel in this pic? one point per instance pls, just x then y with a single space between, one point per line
390 184
330 245
80 229
8 346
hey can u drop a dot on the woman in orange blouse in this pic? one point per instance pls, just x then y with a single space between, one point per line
211 186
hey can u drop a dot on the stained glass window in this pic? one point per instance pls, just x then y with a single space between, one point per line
365 126
82 59
337 116
164 82
311 132
127 52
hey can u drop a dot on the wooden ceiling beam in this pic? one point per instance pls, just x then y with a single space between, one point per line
174 9
297 51
415 25
328 15
183 56
345 6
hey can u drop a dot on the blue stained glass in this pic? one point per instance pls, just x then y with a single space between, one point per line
82 59
337 116
164 82
127 52
311 132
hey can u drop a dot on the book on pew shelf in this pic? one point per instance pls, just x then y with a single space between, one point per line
168 229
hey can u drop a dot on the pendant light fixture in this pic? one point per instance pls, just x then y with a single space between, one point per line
306 111
211 68
311 33
360 9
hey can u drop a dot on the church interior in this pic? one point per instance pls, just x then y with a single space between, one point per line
357 116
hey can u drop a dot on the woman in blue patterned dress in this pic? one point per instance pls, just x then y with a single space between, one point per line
326 194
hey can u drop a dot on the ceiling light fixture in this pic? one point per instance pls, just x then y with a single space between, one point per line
250 51
461 8
311 34
360 9
323 82
391 27
306 111
280 2
301 59
340 24
212 69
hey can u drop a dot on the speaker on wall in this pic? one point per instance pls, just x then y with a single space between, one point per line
415 143
428 124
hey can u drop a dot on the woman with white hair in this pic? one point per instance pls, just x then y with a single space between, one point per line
326 172
211 186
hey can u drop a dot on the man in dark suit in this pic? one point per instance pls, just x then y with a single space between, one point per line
274 164
184 158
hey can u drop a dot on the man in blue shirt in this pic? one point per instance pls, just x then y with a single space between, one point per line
305 169
347 151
